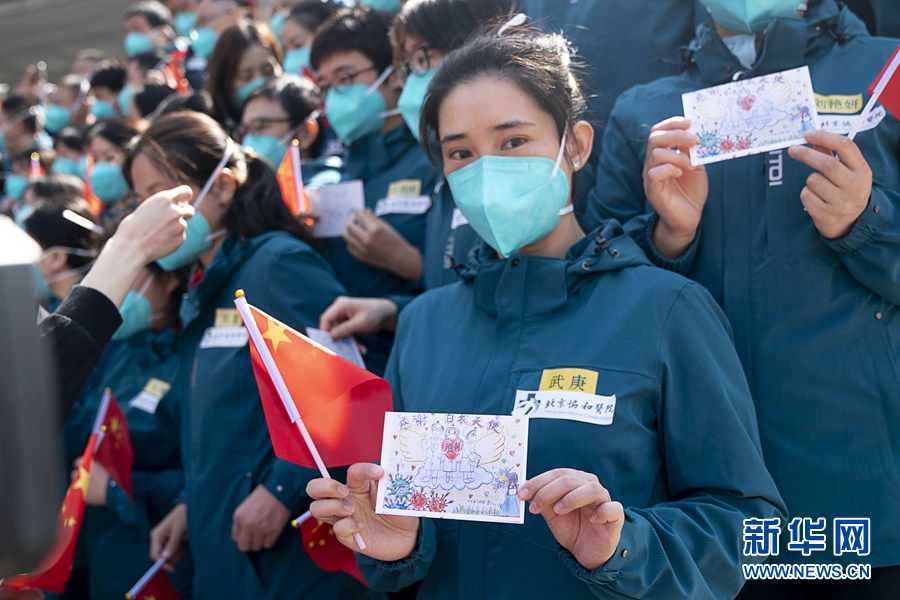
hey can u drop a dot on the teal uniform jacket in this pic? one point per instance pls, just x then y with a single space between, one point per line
816 322
380 160
322 171
114 540
448 239
681 454
226 444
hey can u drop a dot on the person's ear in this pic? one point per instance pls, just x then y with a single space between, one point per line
224 187
56 260
580 144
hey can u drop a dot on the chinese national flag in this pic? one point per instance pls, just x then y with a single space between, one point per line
114 451
887 85
95 205
53 572
341 404
37 169
154 585
326 551
290 180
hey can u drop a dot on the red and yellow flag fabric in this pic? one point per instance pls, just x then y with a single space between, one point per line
53 572
114 450
153 585
326 551
341 404
887 85
95 205
290 179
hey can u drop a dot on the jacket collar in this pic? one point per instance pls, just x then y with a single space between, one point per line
374 154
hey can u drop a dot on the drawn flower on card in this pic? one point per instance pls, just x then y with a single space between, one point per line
746 102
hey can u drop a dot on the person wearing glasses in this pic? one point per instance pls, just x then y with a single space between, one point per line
381 252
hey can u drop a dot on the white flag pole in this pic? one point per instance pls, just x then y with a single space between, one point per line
145 579
876 93
269 362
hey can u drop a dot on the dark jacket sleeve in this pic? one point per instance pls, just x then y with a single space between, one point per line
78 331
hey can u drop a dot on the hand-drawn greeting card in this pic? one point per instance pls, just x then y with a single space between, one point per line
336 204
751 116
453 466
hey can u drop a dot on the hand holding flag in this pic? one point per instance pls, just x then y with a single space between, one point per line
885 89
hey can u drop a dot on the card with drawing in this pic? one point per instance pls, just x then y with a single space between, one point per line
453 466
751 116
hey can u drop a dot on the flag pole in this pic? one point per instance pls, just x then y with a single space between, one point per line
256 336
101 416
299 521
876 93
145 579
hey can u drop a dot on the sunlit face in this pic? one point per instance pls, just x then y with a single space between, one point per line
494 117
294 35
418 55
105 151
138 24
255 62
263 116
348 67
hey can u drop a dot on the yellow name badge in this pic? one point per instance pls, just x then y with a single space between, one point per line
405 187
569 380
228 317
157 387
839 104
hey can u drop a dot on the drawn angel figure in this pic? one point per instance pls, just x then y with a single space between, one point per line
431 446
469 467
510 506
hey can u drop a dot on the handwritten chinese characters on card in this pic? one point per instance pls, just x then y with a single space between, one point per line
453 466
751 116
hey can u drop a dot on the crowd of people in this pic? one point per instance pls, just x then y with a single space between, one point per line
527 204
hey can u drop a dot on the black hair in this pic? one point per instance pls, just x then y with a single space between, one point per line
56 188
110 76
115 131
540 65
47 225
298 96
224 61
360 29
16 104
312 13
199 101
156 13
148 60
445 25
187 146
148 98
70 137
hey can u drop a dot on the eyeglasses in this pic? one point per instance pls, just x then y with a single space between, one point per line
257 126
418 63
342 81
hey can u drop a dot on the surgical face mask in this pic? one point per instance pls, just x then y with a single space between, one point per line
15 186
241 94
124 99
357 110
184 23
103 110
56 117
413 97
389 5
42 284
22 213
751 16
276 24
269 147
743 46
203 41
296 60
69 166
137 313
108 183
198 237
138 43
512 201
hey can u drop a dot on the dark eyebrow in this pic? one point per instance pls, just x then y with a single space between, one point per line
501 127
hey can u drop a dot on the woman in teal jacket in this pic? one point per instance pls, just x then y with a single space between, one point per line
239 497
813 306
649 503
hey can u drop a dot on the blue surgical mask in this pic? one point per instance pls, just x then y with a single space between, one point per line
198 237
103 110
296 60
56 117
137 43
15 186
357 110
389 5
751 16
42 291
42 284
21 214
241 94
276 24
64 165
269 147
108 183
184 23
203 41
413 97
137 316
512 201
124 99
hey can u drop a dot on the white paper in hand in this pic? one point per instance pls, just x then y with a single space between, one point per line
336 204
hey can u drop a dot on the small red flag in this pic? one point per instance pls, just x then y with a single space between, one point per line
290 179
114 451
95 205
153 585
37 169
53 572
887 85
326 551
341 404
